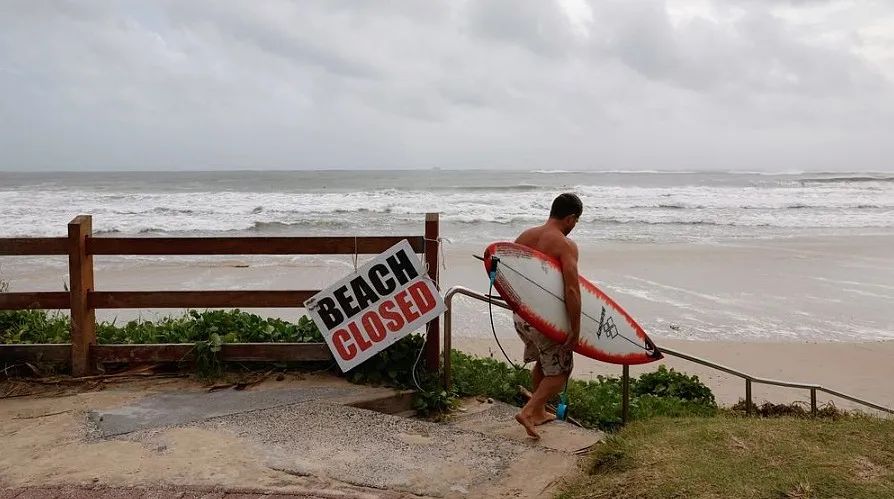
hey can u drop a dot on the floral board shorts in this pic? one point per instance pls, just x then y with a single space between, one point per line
553 358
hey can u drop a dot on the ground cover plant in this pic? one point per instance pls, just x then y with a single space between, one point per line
593 403
232 326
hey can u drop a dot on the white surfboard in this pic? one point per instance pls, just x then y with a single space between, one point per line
531 283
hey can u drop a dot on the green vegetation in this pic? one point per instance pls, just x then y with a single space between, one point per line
487 377
729 456
233 326
210 329
34 326
595 403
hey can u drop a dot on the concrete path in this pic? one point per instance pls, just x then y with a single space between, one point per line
497 419
302 438
136 493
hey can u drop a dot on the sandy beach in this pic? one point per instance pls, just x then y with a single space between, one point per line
815 310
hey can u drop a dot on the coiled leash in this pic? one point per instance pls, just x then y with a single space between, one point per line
494 261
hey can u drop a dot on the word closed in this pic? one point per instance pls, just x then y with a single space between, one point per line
384 300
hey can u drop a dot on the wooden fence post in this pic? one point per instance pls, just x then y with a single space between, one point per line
432 244
83 318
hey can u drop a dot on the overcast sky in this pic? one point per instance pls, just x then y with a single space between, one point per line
624 84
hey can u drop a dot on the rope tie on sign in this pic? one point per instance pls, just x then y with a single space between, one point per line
419 356
355 253
441 255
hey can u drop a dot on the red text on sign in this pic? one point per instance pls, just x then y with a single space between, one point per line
392 315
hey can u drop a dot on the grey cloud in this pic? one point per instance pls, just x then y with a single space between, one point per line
283 32
758 53
535 25
343 84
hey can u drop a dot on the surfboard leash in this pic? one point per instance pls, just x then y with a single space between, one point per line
494 261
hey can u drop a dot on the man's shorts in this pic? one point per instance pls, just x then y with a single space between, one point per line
553 358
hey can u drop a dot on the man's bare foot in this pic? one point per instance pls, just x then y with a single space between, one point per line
544 418
528 424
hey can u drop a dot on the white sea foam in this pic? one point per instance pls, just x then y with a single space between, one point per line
657 205
549 172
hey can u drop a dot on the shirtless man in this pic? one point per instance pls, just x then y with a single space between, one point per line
553 361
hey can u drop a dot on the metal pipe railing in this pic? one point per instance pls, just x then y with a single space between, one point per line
765 381
749 379
448 323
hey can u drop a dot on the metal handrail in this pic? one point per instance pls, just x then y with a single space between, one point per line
749 379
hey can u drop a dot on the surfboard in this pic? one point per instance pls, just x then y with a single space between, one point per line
531 283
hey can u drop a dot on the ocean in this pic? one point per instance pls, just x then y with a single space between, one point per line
692 255
627 206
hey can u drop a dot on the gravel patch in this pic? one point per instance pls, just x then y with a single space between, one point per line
371 449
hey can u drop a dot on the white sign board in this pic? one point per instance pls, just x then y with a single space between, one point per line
384 300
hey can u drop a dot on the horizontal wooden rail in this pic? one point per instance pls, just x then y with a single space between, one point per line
23 246
52 300
343 245
47 300
50 353
234 352
83 300
275 352
148 353
167 352
198 299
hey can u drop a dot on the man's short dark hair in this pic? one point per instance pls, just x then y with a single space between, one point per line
566 204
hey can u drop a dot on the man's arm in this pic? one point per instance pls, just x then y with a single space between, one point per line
568 259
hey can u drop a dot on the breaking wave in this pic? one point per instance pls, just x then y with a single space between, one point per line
855 201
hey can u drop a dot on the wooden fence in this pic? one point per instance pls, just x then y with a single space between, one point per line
83 299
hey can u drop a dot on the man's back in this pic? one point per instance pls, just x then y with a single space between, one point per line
548 240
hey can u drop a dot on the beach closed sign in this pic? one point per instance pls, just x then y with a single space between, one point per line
384 300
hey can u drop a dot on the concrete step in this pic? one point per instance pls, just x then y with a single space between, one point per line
399 403
497 419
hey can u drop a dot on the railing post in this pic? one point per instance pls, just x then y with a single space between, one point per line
748 407
432 244
83 318
448 333
813 402
625 394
